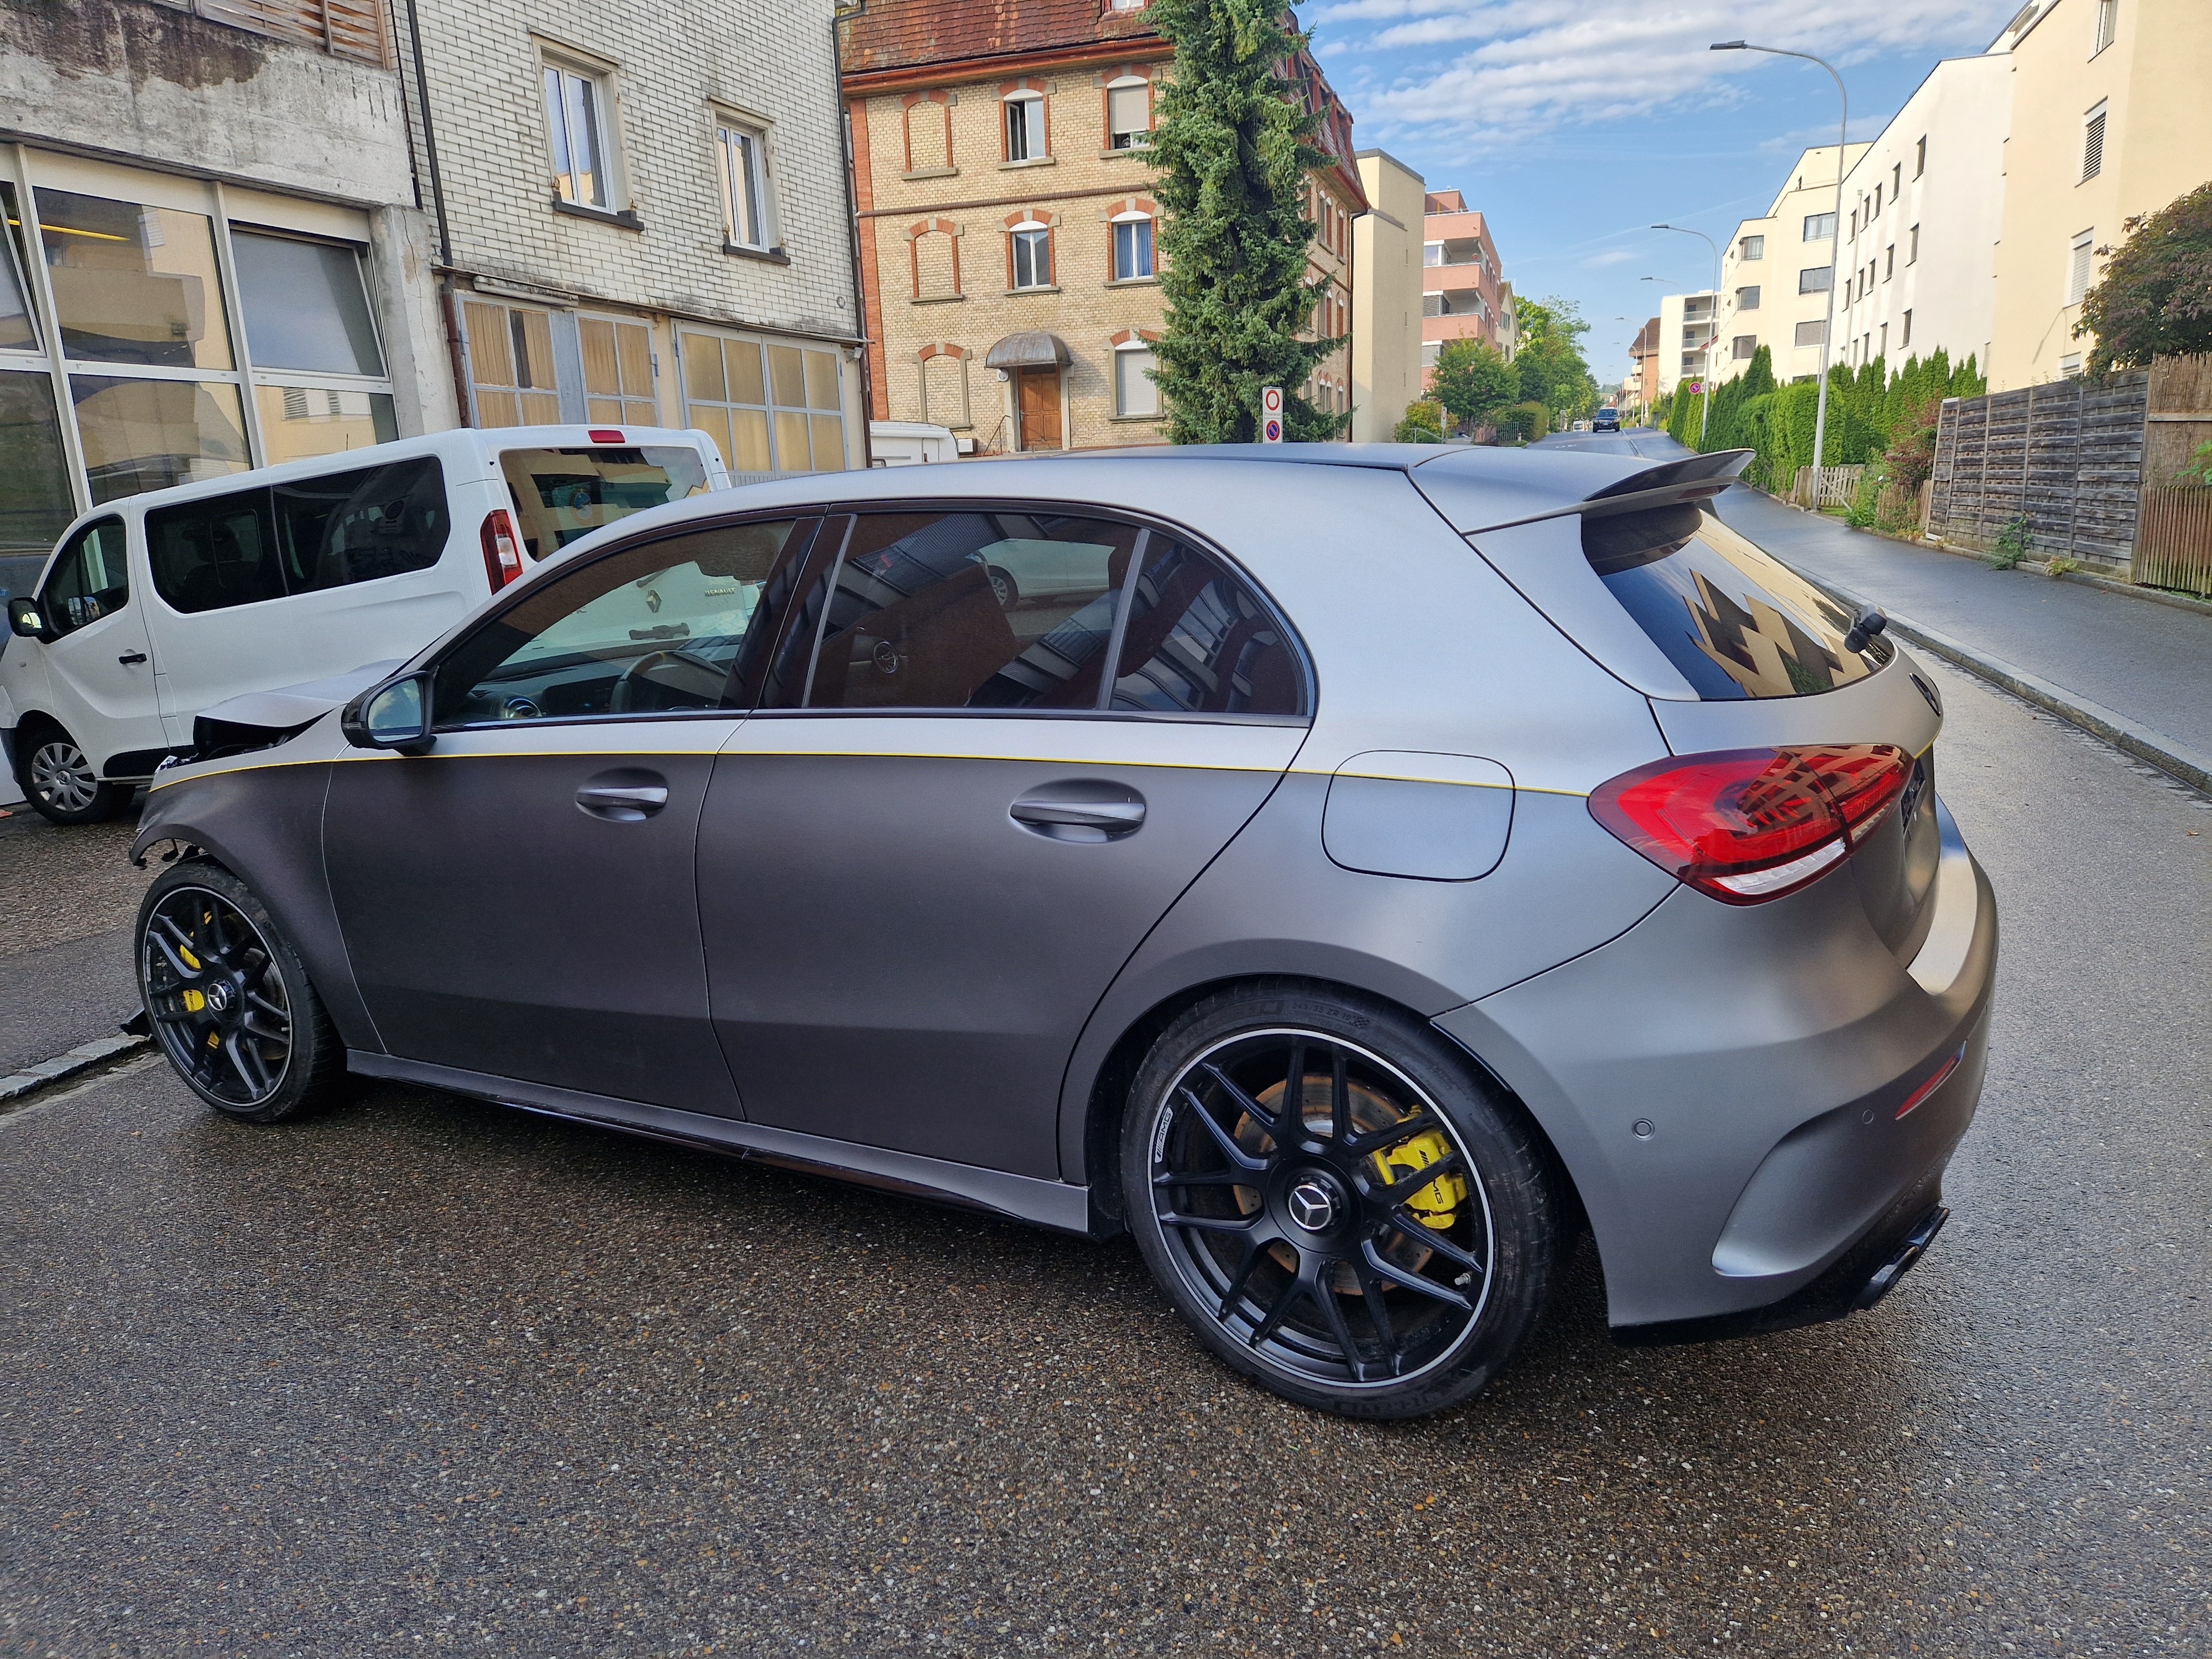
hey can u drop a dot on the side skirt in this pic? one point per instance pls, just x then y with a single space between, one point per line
1053 1204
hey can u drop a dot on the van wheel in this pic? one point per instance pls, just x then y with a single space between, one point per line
57 776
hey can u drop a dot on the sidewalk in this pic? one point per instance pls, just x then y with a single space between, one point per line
2141 668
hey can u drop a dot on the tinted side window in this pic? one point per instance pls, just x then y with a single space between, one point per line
973 609
655 629
212 555
90 579
1199 641
347 527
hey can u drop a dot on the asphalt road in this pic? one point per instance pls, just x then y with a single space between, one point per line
70 899
421 1374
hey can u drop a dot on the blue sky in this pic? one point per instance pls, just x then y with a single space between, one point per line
1576 123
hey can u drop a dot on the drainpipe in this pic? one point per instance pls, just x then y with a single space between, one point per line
447 306
837 18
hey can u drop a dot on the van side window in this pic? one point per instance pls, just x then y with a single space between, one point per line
357 527
212 555
90 580
1199 641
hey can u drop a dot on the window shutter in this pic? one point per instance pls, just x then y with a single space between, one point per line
2093 147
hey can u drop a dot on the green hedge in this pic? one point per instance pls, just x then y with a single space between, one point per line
1868 408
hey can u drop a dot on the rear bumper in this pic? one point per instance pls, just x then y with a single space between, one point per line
1755 1105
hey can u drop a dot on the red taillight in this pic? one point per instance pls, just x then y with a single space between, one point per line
1746 825
502 552
1942 1076
603 435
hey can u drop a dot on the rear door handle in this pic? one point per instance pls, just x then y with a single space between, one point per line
622 803
1080 812
132 656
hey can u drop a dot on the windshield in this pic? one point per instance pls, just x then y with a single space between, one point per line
563 494
1735 622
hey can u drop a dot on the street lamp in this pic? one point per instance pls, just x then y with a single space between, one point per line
1712 324
1835 238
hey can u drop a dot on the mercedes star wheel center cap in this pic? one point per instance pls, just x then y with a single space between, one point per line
218 996
1312 1206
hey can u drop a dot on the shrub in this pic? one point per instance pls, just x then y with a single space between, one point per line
1527 422
1424 423
2014 542
2154 298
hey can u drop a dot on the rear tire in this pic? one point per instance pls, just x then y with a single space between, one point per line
228 1001
58 777
1307 1250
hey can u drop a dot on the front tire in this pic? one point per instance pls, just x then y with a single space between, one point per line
59 779
228 1000
1383 1250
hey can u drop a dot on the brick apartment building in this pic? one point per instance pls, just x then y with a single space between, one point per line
1008 234
1464 292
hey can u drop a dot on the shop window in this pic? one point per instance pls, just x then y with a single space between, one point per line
149 435
511 365
134 285
298 423
617 372
772 408
19 328
305 304
36 505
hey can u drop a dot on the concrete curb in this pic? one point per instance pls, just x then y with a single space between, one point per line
61 1067
2138 740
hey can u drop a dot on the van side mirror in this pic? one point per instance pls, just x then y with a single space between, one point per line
24 618
394 715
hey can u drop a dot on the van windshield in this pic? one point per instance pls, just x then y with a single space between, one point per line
563 494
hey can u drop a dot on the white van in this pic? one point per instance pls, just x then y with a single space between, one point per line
157 606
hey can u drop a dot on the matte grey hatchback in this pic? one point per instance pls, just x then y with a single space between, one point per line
1353 871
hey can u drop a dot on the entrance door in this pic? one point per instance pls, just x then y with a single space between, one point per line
917 887
99 672
1038 394
520 901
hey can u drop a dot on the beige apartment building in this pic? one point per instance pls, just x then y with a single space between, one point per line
2112 105
1008 234
1686 332
1386 296
1776 275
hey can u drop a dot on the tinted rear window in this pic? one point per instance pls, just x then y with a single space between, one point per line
1733 620
563 494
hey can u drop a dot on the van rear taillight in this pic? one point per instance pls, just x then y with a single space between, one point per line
1746 825
502 550
603 435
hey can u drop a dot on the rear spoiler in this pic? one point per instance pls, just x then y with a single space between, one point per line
1672 484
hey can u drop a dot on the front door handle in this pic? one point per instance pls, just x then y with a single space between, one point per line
1080 812
132 657
622 803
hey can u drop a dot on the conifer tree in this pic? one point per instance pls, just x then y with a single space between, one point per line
1233 147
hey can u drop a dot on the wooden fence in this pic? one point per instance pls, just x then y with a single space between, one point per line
2173 543
2067 458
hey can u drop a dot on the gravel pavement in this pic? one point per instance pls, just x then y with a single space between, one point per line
423 1375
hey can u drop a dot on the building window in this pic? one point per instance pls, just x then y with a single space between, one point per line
1132 246
1811 333
1752 247
2092 144
1816 279
1896 180
1820 226
1031 255
770 408
742 151
1877 202
1912 245
1025 139
1905 336
1744 347
1920 157
2077 268
2108 24
1889 262
617 372
2069 365
575 121
1689 362
1135 391
511 365
1747 299
1432 254
1430 351
1883 350
1128 113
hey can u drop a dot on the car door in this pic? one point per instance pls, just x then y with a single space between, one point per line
518 901
918 877
99 670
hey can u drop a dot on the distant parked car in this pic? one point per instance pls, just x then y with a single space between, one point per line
1366 865
158 605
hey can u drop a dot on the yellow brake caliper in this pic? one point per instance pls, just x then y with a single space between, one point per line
1438 1203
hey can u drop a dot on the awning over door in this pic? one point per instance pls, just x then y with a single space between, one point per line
1033 348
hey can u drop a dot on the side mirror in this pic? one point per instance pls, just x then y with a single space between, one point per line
394 715
24 618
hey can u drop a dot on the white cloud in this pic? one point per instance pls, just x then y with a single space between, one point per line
1531 66
1619 256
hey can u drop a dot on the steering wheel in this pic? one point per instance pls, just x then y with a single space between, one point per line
703 680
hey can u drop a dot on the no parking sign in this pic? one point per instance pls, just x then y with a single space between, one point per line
1271 414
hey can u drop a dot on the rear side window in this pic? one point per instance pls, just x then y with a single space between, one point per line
212 555
563 494
972 610
1732 619
90 579
347 527
1198 641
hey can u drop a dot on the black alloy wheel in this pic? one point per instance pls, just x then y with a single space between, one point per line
1335 1205
58 777
227 999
